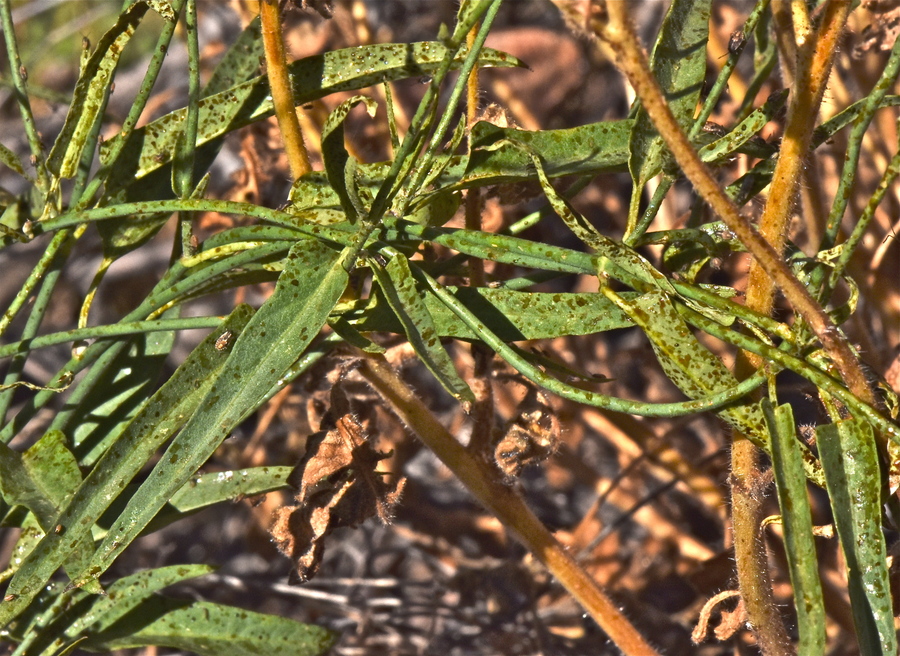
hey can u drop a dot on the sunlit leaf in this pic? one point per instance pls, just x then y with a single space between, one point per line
311 283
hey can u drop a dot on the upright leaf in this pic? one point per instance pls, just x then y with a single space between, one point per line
313 280
853 477
796 518
337 161
94 83
678 62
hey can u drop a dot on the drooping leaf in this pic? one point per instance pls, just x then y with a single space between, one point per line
695 370
399 288
853 479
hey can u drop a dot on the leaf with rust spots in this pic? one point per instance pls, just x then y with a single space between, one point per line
338 485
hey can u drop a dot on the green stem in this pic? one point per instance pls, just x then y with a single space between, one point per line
123 329
19 77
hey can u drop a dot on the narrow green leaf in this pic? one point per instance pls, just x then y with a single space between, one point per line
53 468
595 148
18 488
123 235
150 147
214 630
695 370
741 136
399 288
313 280
796 518
434 209
156 422
678 62
105 410
11 160
512 315
210 489
240 63
853 478
124 597
612 257
93 84
334 152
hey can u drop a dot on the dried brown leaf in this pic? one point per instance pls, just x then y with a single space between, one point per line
338 485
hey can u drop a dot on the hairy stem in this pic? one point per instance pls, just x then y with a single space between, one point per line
280 85
483 482
615 28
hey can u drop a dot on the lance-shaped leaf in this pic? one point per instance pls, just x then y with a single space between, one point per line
150 147
741 137
92 86
337 161
512 315
696 371
117 394
216 487
11 160
595 148
313 280
796 518
125 596
678 62
399 288
240 63
213 630
853 478
157 421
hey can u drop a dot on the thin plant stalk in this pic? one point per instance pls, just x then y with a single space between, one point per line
280 85
616 30
483 482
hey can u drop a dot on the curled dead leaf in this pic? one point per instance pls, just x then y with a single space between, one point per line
338 485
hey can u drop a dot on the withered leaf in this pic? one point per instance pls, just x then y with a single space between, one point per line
533 436
338 485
